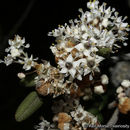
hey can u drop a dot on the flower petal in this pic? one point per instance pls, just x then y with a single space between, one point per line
86 53
87 71
79 47
61 63
79 77
72 72
64 70
69 58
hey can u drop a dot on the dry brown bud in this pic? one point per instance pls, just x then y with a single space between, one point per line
44 89
124 107
63 117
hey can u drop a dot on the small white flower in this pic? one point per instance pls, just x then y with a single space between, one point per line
16 46
121 95
92 64
8 60
95 21
17 43
63 45
93 5
98 89
79 77
43 125
86 48
119 89
104 79
14 52
125 83
28 62
105 22
79 114
69 66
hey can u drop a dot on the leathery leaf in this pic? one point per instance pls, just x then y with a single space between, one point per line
28 106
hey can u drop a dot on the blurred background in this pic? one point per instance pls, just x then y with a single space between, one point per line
33 19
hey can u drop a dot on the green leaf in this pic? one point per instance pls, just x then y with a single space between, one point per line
28 106
28 81
104 52
100 117
104 102
94 111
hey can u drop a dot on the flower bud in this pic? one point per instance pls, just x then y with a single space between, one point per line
98 89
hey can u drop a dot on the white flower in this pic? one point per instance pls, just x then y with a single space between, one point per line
17 43
16 47
56 52
93 64
121 95
14 52
119 89
93 5
105 22
125 83
79 114
43 125
86 47
104 79
69 65
28 62
98 89
7 60
95 21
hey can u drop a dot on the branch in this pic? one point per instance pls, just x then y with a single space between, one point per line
18 23
114 118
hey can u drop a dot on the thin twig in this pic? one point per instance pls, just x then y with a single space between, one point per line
112 105
18 23
114 118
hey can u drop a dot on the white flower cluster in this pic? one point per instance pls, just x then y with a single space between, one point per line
45 125
77 54
78 43
79 119
83 118
16 53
